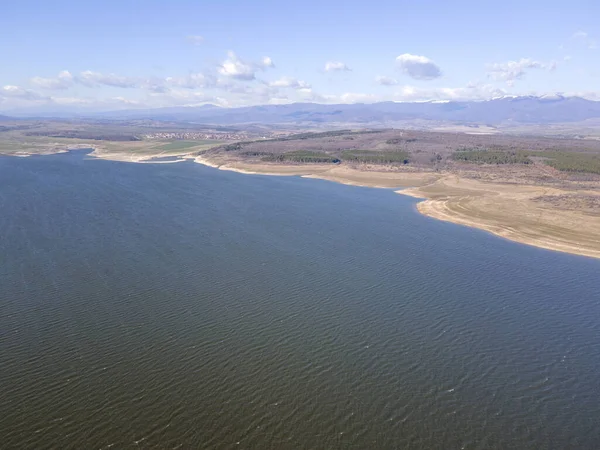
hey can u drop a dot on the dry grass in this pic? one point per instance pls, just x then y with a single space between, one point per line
515 212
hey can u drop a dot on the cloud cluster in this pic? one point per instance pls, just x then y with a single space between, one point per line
336 66
408 93
93 79
584 38
515 70
289 82
197 80
235 67
22 97
386 81
65 80
471 92
238 82
418 67
10 91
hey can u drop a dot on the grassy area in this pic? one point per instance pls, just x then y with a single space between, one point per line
14 145
302 156
43 144
310 135
182 145
491 156
233 147
396 141
324 134
256 153
84 134
572 161
376 157
563 161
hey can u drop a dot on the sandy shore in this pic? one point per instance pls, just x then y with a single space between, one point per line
338 174
102 153
145 158
510 211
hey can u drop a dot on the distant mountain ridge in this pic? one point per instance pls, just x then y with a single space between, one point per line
503 110
526 110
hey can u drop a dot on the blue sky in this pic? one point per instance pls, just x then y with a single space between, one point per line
125 54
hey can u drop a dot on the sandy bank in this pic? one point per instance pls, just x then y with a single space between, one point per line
510 211
145 158
103 153
340 174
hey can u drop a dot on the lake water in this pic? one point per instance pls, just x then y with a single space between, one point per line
179 306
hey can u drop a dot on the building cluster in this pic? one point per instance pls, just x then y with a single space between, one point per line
194 136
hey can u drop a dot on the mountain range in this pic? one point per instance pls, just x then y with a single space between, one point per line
498 111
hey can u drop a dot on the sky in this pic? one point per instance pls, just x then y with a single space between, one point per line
108 55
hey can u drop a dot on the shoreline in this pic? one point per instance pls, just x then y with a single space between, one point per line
339 174
509 211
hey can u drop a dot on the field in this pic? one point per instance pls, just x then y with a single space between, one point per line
572 161
564 161
184 145
123 142
419 150
301 156
134 149
118 139
375 156
491 156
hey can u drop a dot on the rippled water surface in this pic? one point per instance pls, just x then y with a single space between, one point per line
179 306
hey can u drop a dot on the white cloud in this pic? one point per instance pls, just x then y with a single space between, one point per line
93 79
71 101
585 39
418 67
353 97
182 97
473 91
283 100
64 80
17 92
407 93
336 66
309 95
125 101
191 81
515 70
589 95
386 81
289 82
236 68
262 93
267 62
195 39
156 87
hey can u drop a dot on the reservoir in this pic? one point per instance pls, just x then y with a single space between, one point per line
181 306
